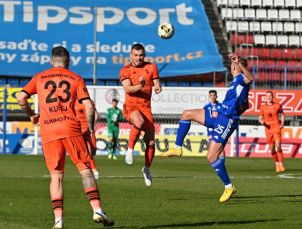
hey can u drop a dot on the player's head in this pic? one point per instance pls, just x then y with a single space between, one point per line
114 103
60 57
212 96
269 96
137 55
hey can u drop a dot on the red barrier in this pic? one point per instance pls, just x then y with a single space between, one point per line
257 147
291 101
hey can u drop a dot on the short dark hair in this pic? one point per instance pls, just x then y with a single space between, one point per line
213 91
138 47
270 93
115 100
60 51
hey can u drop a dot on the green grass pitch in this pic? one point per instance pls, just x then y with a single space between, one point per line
184 194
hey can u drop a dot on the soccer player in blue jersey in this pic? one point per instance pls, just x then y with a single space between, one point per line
212 106
224 122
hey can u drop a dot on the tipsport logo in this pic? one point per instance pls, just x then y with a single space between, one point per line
48 15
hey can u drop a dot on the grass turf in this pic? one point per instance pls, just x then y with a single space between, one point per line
184 194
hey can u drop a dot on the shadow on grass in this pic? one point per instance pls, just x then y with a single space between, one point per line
201 224
238 199
266 196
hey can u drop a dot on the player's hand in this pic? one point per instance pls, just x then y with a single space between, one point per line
91 141
142 81
92 144
234 58
157 90
35 119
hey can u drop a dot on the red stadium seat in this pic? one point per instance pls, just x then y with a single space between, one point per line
281 63
276 53
293 63
295 77
245 52
261 63
274 76
287 54
254 51
250 39
298 76
264 53
261 76
269 63
241 39
298 54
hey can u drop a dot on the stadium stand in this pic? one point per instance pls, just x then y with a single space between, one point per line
268 32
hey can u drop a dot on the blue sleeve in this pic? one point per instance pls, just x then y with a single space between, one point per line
241 80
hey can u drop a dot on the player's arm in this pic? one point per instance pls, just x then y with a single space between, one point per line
90 113
261 116
261 119
121 116
282 118
23 102
248 77
157 86
130 89
96 116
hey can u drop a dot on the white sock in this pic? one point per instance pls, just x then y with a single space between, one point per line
177 147
58 219
228 185
99 210
130 150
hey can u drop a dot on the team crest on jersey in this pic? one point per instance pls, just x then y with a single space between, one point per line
147 71
134 72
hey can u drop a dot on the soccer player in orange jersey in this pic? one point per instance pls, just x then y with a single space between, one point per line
272 117
81 116
137 79
58 88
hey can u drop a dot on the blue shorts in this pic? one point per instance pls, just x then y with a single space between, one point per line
223 127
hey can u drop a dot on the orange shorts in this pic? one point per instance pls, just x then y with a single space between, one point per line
145 111
273 136
55 152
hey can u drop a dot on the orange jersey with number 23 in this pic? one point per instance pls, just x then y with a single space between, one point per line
57 88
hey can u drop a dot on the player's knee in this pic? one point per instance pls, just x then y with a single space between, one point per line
185 115
151 144
278 147
138 123
211 158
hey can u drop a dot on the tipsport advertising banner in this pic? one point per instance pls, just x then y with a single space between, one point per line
30 29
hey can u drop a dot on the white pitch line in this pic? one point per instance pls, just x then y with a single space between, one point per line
279 176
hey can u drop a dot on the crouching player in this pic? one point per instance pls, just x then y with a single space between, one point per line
223 122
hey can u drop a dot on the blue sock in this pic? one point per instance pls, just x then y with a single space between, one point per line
219 167
183 129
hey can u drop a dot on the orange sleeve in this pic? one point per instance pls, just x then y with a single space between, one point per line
155 72
31 87
124 74
280 109
261 111
82 92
